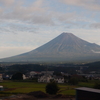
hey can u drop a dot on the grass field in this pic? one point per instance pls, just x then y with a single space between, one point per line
12 87
26 87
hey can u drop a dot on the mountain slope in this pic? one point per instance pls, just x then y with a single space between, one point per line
65 47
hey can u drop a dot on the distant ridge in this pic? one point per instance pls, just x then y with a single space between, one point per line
64 48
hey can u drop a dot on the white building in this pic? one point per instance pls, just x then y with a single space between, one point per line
45 78
59 79
33 73
48 78
24 77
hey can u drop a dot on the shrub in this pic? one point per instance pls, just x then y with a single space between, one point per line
52 88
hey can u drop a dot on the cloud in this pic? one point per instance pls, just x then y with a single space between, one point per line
95 25
38 13
64 16
35 13
88 4
27 24
22 27
7 2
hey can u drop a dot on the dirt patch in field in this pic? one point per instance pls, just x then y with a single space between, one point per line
9 89
20 97
39 95
62 96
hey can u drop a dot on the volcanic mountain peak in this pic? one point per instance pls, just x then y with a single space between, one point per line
65 47
67 39
60 43
65 34
68 36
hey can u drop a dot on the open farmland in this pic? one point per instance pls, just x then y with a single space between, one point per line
26 87
13 87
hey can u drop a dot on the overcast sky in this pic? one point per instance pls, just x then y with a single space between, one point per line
28 24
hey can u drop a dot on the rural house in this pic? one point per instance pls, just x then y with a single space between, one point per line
45 78
48 78
58 79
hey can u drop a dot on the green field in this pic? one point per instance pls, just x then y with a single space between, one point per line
12 87
26 87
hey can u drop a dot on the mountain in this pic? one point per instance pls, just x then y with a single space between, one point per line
64 48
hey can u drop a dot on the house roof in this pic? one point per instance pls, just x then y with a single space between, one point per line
88 89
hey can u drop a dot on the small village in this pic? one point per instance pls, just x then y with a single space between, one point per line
61 78
46 76
77 80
